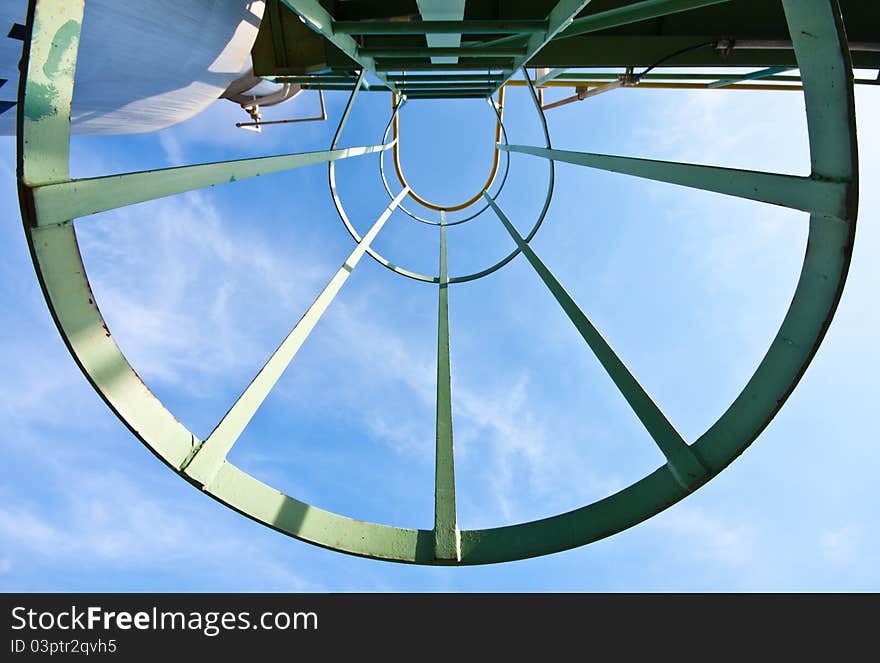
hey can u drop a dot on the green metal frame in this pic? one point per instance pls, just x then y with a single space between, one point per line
50 201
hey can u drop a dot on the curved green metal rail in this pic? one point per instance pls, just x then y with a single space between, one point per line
50 201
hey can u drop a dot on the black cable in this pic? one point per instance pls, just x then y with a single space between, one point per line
676 54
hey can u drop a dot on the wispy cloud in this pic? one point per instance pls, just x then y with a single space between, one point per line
843 546
108 519
709 537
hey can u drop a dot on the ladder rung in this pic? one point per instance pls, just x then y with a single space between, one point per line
437 27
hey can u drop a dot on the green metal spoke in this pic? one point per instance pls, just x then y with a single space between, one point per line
56 203
207 458
550 75
754 76
437 27
406 79
319 20
447 539
684 465
559 18
634 13
48 198
810 194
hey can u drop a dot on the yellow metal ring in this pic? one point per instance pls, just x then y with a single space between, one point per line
496 158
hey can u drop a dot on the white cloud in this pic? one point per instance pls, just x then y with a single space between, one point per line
165 274
842 546
709 537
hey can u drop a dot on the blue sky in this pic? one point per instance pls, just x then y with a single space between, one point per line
688 287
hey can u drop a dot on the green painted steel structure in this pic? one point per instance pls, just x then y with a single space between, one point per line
51 203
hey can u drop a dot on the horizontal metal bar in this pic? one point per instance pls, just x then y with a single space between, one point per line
443 95
315 79
405 79
606 76
634 13
441 85
203 464
786 45
420 65
447 540
56 203
442 51
421 93
436 27
586 93
320 21
549 76
803 193
755 75
559 18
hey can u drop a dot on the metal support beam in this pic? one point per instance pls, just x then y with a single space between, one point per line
558 19
447 539
442 10
437 27
435 52
809 194
549 76
451 78
56 203
755 75
684 465
634 13
202 465
317 18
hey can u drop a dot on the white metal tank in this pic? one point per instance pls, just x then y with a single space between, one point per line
143 65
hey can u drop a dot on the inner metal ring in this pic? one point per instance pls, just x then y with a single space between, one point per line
340 209
503 132
499 110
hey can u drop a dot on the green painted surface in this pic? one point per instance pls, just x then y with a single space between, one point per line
686 468
633 13
754 76
809 194
559 18
202 466
446 534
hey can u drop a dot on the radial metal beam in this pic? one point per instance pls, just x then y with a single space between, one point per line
809 194
319 20
755 75
437 27
684 465
634 13
447 538
559 18
202 465
56 203
549 76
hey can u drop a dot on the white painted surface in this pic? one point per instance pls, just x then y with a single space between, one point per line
144 64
